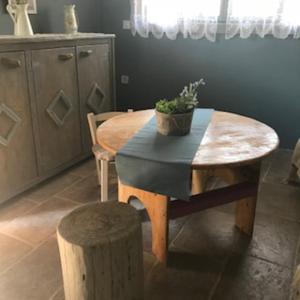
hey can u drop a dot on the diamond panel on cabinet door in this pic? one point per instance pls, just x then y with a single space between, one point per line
60 108
7 115
95 99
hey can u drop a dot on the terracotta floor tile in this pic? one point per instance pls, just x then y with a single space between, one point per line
265 166
274 239
187 276
11 251
279 200
279 168
39 223
51 187
14 208
84 191
174 228
88 190
209 234
58 295
247 278
36 277
149 262
227 208
84 169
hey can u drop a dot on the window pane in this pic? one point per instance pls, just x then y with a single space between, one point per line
168 12
254 8
280 18
291 12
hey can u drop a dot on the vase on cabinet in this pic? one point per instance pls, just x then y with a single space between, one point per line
71 22
19 15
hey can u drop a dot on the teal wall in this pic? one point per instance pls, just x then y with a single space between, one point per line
254 77
50 17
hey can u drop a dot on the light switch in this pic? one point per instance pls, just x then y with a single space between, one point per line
124 79
126 25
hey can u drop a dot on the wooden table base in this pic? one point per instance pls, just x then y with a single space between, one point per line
243 187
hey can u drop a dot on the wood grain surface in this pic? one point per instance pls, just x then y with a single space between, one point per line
51 37
230 140
101 252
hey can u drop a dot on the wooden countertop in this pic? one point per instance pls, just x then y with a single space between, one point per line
51 37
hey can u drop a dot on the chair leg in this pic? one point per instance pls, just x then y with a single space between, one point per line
98 171
104 180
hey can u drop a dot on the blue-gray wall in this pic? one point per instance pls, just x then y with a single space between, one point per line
255 77
50 17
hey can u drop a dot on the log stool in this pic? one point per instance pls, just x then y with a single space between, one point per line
101 252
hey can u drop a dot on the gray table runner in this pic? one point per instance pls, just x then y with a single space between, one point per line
162 164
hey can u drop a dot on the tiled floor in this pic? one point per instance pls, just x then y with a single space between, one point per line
209 258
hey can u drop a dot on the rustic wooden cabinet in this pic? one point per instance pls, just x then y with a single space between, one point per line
48 84
95 88
17 151
58 115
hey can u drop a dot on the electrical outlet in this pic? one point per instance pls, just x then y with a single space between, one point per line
124 79
126 25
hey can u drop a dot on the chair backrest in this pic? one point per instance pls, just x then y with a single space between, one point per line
93 119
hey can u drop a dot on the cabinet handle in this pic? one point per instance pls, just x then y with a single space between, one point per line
12 63
66 56
86 53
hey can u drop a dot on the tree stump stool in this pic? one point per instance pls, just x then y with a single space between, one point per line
101 252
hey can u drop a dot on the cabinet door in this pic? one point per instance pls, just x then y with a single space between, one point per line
95 84
56 96
17 152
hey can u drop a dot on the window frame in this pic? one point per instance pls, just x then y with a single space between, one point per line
223 16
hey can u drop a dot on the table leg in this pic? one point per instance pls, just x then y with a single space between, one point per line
199 181
245 208
245 215
157 209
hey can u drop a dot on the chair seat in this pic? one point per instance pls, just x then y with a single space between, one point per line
102 154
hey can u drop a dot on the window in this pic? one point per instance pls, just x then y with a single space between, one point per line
174 10
203 18
277 17
193 18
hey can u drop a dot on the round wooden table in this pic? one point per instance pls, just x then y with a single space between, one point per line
233 148
230 139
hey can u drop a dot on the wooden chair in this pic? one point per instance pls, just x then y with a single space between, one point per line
102 157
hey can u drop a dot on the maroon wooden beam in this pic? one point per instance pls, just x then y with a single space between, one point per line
180 208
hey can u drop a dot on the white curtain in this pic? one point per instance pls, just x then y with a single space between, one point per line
192 18
279 18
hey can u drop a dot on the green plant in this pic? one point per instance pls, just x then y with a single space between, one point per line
186 102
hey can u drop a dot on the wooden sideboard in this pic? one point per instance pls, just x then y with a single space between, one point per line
48 84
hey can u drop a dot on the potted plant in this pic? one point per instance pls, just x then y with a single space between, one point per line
174 117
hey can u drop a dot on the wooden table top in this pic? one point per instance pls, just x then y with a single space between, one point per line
230 140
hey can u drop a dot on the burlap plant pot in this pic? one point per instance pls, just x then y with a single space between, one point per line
174 124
